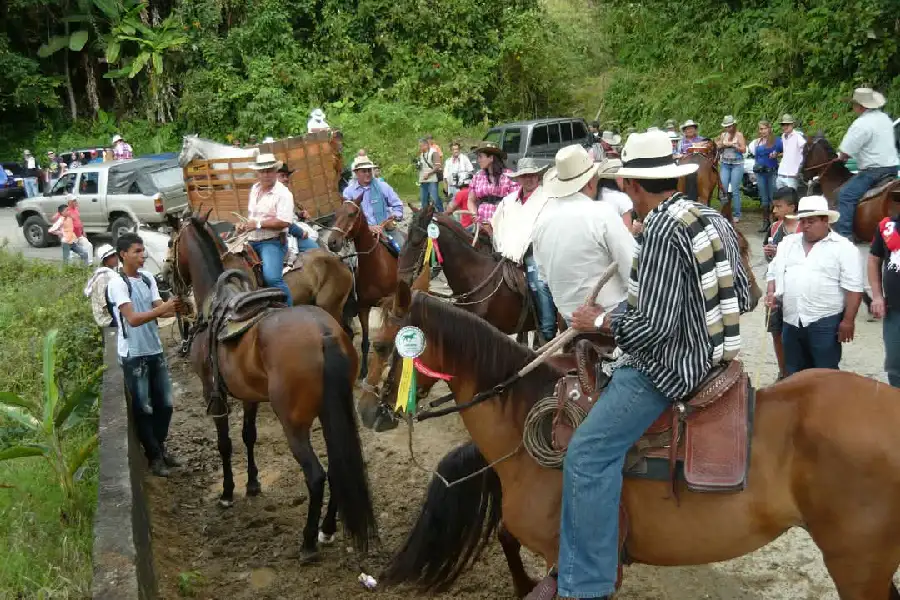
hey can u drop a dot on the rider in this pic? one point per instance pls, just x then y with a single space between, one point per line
271 212
690 137
380 203
672 338
304 235
870 140
512 225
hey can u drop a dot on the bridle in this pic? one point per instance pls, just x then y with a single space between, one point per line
827 164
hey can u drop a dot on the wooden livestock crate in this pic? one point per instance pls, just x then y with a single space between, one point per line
223 184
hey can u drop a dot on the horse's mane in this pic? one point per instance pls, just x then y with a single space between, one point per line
211 247
471 345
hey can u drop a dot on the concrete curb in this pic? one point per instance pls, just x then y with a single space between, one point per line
123 561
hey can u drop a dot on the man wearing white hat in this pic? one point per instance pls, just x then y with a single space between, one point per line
792 142
271 212
317 121
817 276
686 257
870 140
95 289
689 138
380 204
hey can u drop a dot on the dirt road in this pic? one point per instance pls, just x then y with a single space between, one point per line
249 551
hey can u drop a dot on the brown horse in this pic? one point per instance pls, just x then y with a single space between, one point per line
701 185
820 165
301 361
376 275
817 462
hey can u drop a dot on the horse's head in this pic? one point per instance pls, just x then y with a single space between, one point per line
195 250
744 247
190 149
410 262
348 220
817 156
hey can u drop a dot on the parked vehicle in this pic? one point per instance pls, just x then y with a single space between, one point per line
540 139
113 197
13 186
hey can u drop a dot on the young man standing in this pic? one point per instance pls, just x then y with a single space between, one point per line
792 144
429 162
136 307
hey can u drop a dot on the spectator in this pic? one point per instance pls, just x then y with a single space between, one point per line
455 169
818 277
315 124
136 307
766 149
235 143
54 169
121 149
461 202
594 129
784 204
429 163
31 174
64 227
792 143
611 193
96 157
491 183
75 213
884 277
732 146
95 289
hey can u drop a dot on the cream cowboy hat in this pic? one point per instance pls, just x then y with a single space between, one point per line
611 138
318 114
689 123
649 156
868 98
527 166
265 162
815 206
574 168
490 148
786 119
117 138
362 162
609 168
728 121
104 252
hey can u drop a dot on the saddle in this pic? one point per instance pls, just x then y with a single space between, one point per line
880 186
514 278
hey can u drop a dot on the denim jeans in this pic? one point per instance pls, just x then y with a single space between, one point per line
891 332
31 187
791 181
67 249
543 300
303 241
852 191
430 190
766 183
732 174
271 253
813 346
150 392
592 483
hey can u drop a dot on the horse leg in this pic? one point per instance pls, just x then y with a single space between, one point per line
364 345
329 524
301 448
226 500
522 583
249 436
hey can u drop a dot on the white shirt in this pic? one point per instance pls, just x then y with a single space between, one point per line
813 286
277 203
619 200
314 125
793 154
30 163
513 223
575 239
455 165
870 140
143 340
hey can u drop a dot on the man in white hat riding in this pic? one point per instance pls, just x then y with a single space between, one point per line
817 276
686 258
271 212
380 204
870 140
689 138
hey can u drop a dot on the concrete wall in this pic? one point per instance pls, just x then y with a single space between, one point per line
123 561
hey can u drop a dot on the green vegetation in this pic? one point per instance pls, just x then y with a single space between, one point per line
47 536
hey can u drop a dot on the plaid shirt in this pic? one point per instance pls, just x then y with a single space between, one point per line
483 188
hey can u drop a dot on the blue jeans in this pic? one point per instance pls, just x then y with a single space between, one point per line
766 183
592 483
67 249
543 300
150 391
31 187
271 253
813 346
791 181
430 190
891 332
852 191
732 174
303 242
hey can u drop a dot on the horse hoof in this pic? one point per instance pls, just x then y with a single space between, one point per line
325 539
254 489
308 556
223 503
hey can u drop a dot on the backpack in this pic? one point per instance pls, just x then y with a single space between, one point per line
109 304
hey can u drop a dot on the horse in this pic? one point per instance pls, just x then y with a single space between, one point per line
701 184
193 146
301 361
376 274
818 461
820 165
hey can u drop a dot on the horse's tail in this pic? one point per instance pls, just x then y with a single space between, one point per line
346 468
453 527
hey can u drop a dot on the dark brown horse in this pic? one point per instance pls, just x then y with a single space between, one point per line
701 185
817 462
820 165
301 361
376 275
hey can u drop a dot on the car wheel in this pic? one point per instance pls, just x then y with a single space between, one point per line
35 231
120 226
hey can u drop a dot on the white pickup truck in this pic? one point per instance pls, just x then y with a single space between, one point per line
113 197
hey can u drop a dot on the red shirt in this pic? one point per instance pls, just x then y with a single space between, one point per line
76 221
462 203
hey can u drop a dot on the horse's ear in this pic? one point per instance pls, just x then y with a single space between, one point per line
205 217
402 299
413 208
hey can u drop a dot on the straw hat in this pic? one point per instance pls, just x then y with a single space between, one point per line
574 168
490 148
117 138
868 98
786 119
728 121
362 162
528 166
318 114
609 168
689 123
815 206
265 162
649 156
104 252
611 138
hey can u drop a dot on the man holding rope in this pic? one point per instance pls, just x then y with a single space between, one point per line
672 336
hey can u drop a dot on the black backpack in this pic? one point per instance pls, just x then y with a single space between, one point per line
109 304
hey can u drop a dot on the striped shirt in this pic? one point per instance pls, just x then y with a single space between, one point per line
665 333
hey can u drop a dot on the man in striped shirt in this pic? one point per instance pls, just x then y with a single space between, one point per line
672 336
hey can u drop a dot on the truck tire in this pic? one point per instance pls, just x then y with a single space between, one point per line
35 231
119 226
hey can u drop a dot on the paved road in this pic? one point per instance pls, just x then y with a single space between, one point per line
15 240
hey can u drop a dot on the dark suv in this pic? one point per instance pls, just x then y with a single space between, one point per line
540 138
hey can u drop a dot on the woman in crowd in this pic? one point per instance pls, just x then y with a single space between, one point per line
732 146
766 149
491 183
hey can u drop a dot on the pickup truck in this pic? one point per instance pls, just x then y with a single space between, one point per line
113 197
540 139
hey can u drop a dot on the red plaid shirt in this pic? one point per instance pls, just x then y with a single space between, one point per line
483 187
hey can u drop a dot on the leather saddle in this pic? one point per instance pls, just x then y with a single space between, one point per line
880 186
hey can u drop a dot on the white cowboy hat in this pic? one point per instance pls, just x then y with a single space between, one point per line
266 161
362 162
689 123
609 168
815 206
318 114
868 98
117 138
574 168
728 121
611 138
652 128
527 166
673 135
27 152
649 156
786 119
104 252
71 198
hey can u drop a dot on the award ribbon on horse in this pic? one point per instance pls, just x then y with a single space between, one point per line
410 344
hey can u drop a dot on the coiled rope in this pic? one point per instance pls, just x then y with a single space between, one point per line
538 431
